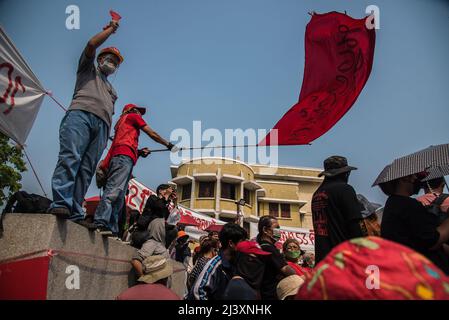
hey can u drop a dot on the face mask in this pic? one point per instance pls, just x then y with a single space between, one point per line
250 268
107 67
276 235
293 254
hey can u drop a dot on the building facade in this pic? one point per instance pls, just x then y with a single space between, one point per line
213 185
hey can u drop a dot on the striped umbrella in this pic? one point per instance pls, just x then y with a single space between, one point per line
434 159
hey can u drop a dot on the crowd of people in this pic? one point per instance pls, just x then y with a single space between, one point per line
418 223
225 265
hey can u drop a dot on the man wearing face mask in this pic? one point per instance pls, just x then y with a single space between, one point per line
213 280
336 212
406 221
84 130
276 267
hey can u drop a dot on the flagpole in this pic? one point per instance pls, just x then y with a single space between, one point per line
50 94
222 147
34 171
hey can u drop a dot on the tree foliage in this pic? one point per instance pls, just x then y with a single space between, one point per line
11 167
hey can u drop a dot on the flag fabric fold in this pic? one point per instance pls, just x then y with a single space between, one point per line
339 53
21 93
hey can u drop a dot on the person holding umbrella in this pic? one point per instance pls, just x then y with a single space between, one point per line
405 220
434 198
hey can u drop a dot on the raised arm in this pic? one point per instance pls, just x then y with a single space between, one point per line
98 39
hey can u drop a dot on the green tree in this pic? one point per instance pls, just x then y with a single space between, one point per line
11 167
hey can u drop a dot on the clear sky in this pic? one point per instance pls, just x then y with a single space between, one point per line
239 64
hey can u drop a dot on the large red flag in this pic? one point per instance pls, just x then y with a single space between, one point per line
338 60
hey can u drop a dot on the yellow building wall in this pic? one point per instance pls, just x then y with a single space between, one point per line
185 203
232 169
294 221
306 191
280 191
205 204
228 205
249 210
286 171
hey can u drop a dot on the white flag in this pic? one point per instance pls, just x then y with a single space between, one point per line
21 93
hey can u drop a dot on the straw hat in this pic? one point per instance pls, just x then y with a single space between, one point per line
289 286
156 268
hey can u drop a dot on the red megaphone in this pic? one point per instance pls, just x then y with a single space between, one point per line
114 15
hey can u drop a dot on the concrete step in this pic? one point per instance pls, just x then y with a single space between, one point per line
101 276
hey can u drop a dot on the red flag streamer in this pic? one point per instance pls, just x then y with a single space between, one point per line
339 54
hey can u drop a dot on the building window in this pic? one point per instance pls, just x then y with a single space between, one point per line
228 191
186 191
273 209
247 196
285 210
206 190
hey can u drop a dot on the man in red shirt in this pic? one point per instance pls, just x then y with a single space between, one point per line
118 164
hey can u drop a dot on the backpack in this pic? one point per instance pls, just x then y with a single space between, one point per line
24 202
370 221
370 225
140 233
435 207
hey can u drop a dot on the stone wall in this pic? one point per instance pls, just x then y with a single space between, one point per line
102 277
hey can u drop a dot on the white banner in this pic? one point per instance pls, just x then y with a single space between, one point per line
202 221
139 194
21 93
305 237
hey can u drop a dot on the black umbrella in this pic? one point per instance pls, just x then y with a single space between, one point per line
434 159
437 172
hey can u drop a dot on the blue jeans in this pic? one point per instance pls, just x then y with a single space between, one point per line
82 137
113 198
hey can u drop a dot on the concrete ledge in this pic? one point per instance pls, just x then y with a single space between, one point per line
99 278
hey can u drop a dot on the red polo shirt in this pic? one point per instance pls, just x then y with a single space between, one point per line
126 138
